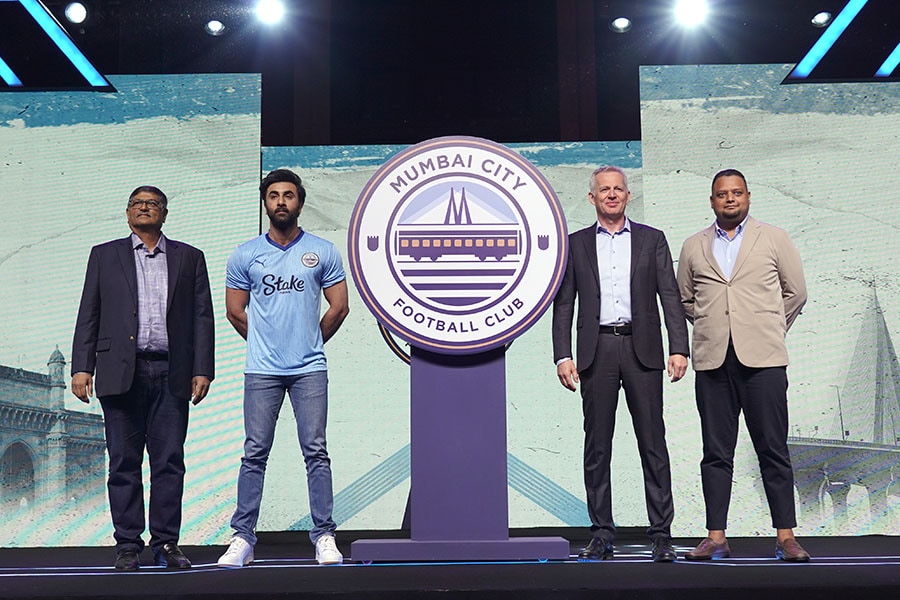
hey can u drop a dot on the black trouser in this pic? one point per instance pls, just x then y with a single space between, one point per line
616 365
761 393
148 415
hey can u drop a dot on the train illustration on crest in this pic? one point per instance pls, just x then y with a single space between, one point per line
458 236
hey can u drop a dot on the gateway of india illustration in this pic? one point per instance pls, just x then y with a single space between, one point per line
48 454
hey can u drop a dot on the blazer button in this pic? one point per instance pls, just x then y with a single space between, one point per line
131 338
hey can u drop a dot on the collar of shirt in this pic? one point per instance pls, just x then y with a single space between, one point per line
626 228
137 243
721 233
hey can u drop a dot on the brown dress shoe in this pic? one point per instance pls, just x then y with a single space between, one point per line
708 550
791 551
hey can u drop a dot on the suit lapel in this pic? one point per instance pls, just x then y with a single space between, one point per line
588 248
637 242
125 252
709 238
173 264
750 237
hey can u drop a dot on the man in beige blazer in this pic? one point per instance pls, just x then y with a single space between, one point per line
742 286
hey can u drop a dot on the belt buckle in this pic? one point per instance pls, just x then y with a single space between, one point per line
616 329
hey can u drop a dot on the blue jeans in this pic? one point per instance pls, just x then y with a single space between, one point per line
263 397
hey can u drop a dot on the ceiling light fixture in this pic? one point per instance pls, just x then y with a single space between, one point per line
822 19
691 13
270 12
214 27
76 12
620 24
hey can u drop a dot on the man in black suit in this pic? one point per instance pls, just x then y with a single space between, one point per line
145 326
617 268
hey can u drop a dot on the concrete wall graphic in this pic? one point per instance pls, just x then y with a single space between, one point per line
819 161
68 161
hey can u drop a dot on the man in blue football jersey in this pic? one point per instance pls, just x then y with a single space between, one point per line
274 285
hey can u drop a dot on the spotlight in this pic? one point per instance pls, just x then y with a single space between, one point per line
691 13
270 11
76 12
214 27
620 24
822 19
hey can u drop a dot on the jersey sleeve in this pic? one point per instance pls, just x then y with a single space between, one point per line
237 275
332 268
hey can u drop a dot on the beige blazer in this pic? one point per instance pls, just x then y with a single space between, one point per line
756 307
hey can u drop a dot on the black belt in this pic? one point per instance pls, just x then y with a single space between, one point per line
152 356
623 329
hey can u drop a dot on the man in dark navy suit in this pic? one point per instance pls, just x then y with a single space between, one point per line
145 326
617 269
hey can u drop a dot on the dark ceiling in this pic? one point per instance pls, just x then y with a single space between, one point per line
399 71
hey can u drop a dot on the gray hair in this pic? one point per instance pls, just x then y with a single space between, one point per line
607 169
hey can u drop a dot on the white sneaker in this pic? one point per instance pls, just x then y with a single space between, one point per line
327 552
239 554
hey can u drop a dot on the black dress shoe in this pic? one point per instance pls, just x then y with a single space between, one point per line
598 549
663 551
128 560
170 555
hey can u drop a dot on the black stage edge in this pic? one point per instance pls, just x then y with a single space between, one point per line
842 567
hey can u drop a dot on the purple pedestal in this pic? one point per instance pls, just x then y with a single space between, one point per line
458 500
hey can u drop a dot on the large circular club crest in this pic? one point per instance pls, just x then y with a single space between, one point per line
457 244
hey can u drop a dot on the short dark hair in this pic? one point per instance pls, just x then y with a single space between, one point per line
728 173
150 189
282 176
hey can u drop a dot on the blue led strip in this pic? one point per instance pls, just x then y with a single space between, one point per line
889 64
59 37
7 74
829 37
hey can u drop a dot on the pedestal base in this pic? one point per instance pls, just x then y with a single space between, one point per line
524 548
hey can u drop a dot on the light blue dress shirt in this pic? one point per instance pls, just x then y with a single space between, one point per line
726 249
614 264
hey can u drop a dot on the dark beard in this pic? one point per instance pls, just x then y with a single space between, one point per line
283 225
283 222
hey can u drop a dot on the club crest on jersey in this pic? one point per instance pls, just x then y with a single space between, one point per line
310 259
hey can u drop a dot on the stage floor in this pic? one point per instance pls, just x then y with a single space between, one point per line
846 568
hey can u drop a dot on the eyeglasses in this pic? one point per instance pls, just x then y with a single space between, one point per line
150 204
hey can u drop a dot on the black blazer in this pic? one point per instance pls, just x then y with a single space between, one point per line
106 328
652 275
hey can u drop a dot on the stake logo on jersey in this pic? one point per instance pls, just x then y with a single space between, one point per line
457 244
272 284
